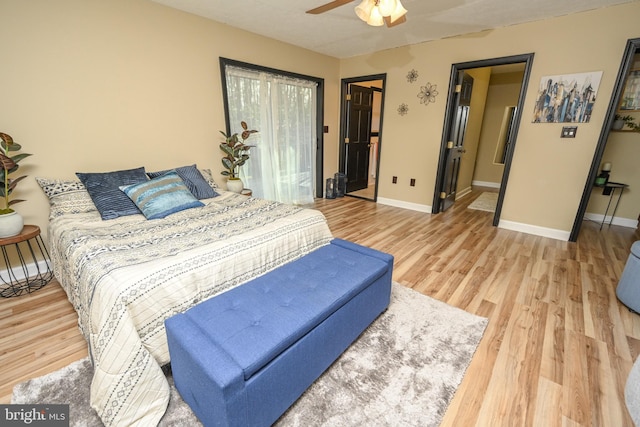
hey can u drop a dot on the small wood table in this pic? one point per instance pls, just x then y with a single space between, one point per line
34 270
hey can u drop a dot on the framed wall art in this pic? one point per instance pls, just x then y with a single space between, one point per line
566 98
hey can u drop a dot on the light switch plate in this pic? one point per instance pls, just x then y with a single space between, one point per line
569 131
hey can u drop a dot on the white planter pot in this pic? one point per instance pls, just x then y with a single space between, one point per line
235 184
10 224
617 125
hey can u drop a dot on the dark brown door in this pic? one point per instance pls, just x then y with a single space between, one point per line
455 146
358 137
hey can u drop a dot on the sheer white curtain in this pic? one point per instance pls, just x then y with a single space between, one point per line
282 162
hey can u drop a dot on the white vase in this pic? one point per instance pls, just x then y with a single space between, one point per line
617 125
10 224
235 184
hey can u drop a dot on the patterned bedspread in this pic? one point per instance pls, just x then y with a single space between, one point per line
126 276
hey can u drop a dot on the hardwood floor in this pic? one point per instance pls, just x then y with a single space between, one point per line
557 349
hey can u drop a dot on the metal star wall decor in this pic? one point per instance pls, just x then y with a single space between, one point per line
412 76
427 94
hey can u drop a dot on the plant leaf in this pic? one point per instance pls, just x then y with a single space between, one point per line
6 139
14 182
227 150
14 147
227 163
6 162
247 133
19 157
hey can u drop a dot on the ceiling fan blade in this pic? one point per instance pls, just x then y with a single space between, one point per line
327 7
401 20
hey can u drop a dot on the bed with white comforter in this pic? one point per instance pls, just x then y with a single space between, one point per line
125 276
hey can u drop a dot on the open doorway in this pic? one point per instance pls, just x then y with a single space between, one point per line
448 183
630 62
362 111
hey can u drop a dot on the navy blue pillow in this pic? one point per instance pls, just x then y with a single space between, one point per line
193 179
104 189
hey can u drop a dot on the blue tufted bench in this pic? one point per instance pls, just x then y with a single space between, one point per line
243 357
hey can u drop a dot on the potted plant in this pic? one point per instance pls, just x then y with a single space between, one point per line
236 154
11 222
619 121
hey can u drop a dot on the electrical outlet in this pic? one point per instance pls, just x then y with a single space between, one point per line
394 180
412 182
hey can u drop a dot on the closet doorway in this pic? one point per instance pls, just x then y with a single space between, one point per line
502 146
361 115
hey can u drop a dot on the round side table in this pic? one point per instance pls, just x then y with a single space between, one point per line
34 271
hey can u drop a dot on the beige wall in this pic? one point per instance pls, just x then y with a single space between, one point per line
548 173
504 90
97 85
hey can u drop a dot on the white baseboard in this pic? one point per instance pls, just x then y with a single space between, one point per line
486 184
18 272
404 205
462 193
515 226
623 222
535 230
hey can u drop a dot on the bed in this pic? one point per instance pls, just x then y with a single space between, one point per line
126 275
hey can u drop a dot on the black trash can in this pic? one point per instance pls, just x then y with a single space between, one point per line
340 183
330 189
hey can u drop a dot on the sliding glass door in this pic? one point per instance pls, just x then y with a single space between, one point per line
283 109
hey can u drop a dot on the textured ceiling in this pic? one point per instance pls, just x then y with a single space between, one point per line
339 32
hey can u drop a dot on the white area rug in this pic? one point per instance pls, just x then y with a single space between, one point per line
485 202
402 371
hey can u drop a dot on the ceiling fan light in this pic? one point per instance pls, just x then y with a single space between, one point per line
363 10
398 13
375 19
387 7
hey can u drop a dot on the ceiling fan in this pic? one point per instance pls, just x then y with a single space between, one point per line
373 12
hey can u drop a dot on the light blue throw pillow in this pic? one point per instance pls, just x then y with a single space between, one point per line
161 196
